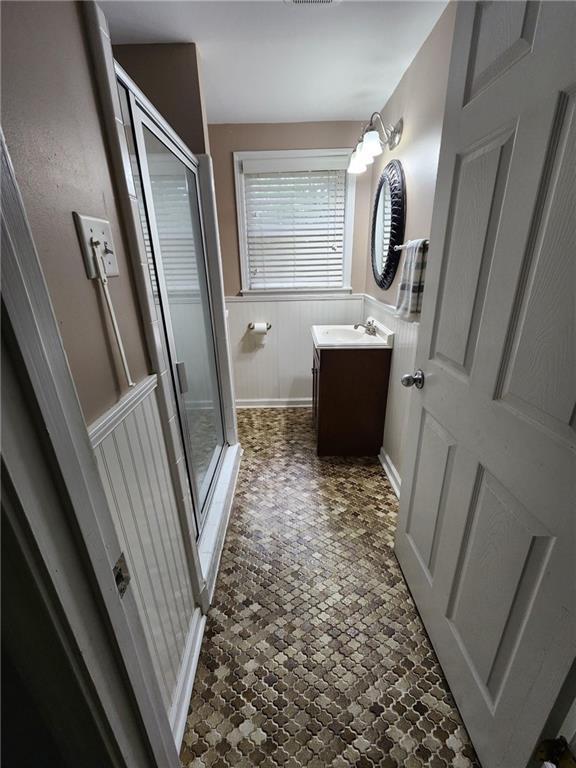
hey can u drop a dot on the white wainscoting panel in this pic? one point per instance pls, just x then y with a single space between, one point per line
278 372
134 467
403 356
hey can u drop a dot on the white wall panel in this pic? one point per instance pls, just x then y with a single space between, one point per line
403 355
278 372
134 467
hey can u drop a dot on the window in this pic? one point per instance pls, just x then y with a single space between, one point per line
295 219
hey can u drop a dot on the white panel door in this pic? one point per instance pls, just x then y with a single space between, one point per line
486 536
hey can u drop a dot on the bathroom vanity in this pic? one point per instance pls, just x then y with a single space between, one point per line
350 375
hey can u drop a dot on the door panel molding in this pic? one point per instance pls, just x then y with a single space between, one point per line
491 54
520 381
423 528
481 178
502 544
498 319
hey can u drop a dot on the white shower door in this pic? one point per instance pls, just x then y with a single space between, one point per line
171 201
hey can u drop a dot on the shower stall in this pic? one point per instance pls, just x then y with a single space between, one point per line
168 183
169 462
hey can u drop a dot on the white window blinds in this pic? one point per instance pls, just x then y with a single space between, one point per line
177 242
173 221
294 224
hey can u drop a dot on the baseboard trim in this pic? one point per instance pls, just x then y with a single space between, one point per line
294 402
391 472
179 711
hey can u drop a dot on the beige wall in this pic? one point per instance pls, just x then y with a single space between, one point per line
226 139
51 124
169 75
419 99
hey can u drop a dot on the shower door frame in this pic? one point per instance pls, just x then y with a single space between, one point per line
144 115
141 120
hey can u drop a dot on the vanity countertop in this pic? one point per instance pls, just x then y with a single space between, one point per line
348 337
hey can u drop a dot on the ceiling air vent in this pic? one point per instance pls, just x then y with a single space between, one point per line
312 2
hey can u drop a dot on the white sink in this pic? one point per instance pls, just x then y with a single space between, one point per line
346 336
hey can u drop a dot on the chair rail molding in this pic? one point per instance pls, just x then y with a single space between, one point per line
107 423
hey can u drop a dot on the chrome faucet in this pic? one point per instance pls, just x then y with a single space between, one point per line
369 327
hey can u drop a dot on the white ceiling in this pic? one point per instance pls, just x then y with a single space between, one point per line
269 61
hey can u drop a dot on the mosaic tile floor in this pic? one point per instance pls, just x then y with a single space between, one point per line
314 654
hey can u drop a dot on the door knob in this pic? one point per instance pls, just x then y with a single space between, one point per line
415 379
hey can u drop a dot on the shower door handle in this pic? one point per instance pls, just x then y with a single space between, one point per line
182 378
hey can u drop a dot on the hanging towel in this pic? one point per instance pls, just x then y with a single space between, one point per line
411 288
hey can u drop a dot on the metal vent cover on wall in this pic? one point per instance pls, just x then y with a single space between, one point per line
312 2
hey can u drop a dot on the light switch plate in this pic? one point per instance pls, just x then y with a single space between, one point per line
88 227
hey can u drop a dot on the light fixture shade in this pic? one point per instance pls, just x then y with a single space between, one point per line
364 154
371 144
356 164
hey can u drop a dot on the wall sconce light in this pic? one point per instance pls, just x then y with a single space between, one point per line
371 145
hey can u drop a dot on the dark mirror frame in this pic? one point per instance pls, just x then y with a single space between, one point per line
393 173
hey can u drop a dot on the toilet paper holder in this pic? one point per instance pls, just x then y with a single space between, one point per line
251 326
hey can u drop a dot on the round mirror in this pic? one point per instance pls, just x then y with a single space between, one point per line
388 220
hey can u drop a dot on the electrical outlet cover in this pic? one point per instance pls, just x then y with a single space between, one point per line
89 227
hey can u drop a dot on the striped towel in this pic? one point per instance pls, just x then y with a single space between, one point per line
411 288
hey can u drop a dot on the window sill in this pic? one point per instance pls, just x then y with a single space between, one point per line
295 291
342 294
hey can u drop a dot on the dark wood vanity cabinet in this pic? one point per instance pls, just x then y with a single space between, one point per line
350 389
